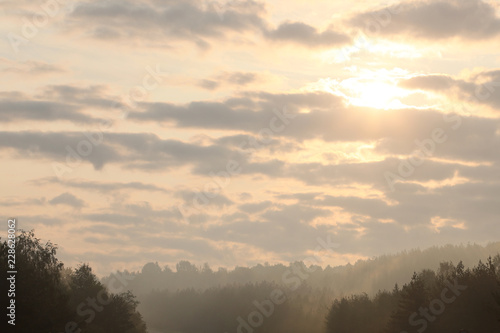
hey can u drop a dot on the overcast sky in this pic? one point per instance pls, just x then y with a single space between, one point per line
238 133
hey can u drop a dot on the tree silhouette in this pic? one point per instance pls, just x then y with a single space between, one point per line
41 296
452 299
49 297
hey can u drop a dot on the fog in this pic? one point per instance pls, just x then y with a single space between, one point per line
289 298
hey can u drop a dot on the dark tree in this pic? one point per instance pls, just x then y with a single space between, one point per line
49 297
41 296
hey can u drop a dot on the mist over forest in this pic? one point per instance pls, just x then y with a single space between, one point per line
368 276
190 298
439 289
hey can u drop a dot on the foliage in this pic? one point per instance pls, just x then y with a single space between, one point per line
447 301
48 296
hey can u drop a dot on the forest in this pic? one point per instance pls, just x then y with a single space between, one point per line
446 300
430 290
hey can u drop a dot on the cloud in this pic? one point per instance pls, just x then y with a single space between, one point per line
23 202
139 151
116 218
481 88
56 103
102 187
433 20
41 110
59 146
31 68
238 78
313 164
67 199
329 119
430 82
391 133
192 21
251 113
213 199
133 217
304 34
89 96
369 173
252 208
228 78
208 84
184 20
291 223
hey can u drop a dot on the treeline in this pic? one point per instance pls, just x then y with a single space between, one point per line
52 299
380 273
265 298
449 300
446 300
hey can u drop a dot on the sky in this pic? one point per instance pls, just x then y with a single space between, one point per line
244 132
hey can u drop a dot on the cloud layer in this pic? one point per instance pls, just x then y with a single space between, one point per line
270 127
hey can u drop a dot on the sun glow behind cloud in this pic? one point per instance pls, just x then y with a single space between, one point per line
225 71
375 94
382 48
377 89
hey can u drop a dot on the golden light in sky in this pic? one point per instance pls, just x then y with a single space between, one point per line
376 89
323 99
189 134
378 95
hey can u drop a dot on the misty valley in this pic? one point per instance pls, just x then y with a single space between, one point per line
439 289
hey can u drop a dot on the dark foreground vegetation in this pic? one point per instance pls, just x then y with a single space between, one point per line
52 299
449 300
262 299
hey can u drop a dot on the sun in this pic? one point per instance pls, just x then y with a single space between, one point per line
374 92
374 89
378 95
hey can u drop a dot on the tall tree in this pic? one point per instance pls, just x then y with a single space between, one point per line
41 296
